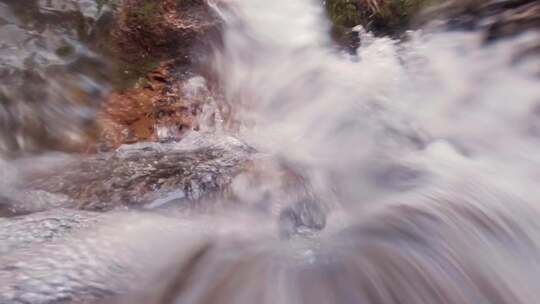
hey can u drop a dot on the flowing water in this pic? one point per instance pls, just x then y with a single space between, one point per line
395 115
405 172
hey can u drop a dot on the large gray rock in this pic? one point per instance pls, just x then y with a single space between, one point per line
145 175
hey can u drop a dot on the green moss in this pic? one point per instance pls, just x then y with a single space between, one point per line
344 13
65 51
147 12
387 17
127 74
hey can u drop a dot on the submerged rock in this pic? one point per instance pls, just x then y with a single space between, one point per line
303 217
78 257
39 228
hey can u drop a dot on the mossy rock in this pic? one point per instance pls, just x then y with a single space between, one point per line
137 35
383 17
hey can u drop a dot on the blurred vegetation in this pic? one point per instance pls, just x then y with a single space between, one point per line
146 13
112 4
383 17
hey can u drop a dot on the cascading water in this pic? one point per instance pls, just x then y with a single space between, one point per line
428 145
393 116
404 173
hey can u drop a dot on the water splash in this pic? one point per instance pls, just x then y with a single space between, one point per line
394 116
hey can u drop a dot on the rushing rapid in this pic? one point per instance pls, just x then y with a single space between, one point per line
405 172
395 115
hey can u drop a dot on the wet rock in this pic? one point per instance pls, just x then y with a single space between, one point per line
5 207
144 174
154 43
59 59
157 108
50 81
494 19
498 19
150 30
383 17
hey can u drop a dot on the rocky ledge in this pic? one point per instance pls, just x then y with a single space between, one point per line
143 175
